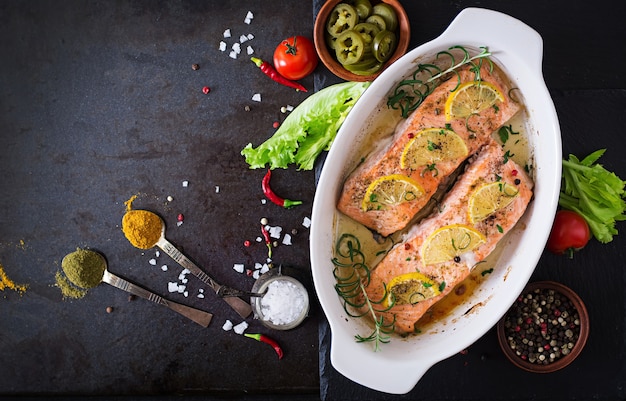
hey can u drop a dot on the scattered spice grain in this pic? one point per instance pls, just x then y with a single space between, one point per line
6 282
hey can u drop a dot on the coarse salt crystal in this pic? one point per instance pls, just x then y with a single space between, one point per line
227 33
258 265
236 48
256 274
179 223
157 254
185 184
232 54
306 222
153 262
222 46
249 50
263 201
217 189
283 302
169 198
186 294
243 38
183 274
258 239
172 286
249 15
289 107
228 325
256 97
200 295
274 231
265 268
287 239
164 268
250 36
238 267
241 327
181 288
247 21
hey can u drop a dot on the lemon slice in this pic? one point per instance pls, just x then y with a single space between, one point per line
471 98
390 190
448 242
430 146
489 198
411 288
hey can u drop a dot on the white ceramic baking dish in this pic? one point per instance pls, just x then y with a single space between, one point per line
398 366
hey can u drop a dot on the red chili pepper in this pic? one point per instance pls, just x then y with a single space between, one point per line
267 190
268 240
271 72
267 340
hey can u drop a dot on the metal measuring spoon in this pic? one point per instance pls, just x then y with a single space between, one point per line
201 317
228 294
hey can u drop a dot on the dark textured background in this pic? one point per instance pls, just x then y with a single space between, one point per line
98 102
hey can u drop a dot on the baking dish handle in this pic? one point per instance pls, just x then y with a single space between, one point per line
477 26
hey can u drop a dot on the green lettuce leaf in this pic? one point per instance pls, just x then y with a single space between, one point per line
308 130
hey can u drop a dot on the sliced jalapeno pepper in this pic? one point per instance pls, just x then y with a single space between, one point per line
342 18
388 14
368 31
349 47
378 21
365 64
384 45
363 8
369 71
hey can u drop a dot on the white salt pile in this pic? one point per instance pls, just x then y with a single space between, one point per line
283 302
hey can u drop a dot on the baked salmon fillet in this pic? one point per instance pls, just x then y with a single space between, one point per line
448 141
439 252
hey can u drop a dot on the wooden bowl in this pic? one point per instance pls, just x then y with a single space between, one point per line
328 55
516 325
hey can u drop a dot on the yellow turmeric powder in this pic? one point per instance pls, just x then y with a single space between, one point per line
6 282
142 228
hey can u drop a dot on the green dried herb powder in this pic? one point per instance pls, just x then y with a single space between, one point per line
68 289
84 268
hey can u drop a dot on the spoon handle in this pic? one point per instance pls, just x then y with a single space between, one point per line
239 305
201 317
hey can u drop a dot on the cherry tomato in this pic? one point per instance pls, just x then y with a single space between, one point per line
570 232
295 57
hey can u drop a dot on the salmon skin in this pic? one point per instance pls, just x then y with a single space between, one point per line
475 132
490 165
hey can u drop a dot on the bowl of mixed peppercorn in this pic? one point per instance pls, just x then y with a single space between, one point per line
545 329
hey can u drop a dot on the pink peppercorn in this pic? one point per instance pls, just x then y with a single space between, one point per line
246 243
180 217
276 124
410 135
206 90
513 173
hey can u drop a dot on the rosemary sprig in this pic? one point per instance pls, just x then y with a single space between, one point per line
410 93
353 276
